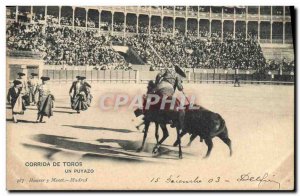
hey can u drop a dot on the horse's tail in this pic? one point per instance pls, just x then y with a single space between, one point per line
222 127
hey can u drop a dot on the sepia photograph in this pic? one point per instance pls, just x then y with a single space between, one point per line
150 98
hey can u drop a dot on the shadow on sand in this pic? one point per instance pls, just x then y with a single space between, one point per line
49 152
99 128
21 121
108 149
65 112
148 148
89 150
63 107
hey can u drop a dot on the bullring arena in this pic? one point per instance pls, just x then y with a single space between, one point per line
259 116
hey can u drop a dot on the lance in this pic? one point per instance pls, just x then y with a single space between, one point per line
165 66
156 54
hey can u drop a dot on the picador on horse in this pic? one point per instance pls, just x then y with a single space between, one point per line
164 86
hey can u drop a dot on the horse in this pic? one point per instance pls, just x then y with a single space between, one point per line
207 125
162 118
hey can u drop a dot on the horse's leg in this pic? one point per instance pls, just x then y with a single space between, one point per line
147 123
156 132
165 136
224 137
181 135
179 142
179 129
165 133
193 136
209 146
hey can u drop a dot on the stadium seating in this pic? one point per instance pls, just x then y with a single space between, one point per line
63 45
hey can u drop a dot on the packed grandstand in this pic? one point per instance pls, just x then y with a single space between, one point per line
79 40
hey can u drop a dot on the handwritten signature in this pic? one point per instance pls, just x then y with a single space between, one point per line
260 179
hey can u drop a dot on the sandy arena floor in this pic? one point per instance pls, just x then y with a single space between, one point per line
260 120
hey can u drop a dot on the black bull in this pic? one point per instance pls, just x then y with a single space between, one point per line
198 122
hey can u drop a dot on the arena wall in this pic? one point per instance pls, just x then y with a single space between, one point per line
135 76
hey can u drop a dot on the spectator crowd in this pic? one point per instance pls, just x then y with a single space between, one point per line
191 52
65 46
62 45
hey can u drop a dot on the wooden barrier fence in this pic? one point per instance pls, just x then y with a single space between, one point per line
134 76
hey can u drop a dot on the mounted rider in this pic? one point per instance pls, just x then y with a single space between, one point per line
168 81
166 84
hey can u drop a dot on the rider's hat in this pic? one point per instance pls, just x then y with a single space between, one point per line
45 78
180 71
